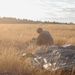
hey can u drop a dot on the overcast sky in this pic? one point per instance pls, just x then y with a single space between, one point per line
49 10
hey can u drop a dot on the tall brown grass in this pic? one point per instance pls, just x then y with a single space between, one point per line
13 38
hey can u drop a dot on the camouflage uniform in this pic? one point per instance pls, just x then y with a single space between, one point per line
44 38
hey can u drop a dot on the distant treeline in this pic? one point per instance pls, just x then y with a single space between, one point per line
10 20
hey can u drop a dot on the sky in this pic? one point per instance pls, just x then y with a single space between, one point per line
43 10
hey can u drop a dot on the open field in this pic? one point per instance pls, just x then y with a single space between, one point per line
12 45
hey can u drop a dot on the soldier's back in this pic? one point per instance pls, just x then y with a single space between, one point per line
45 38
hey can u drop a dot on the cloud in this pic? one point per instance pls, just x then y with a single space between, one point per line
59 10
52 10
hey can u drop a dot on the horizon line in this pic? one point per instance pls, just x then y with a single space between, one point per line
35 20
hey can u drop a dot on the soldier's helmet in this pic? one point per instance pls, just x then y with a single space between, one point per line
39 30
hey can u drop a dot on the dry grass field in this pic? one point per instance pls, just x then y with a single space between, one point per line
12 45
